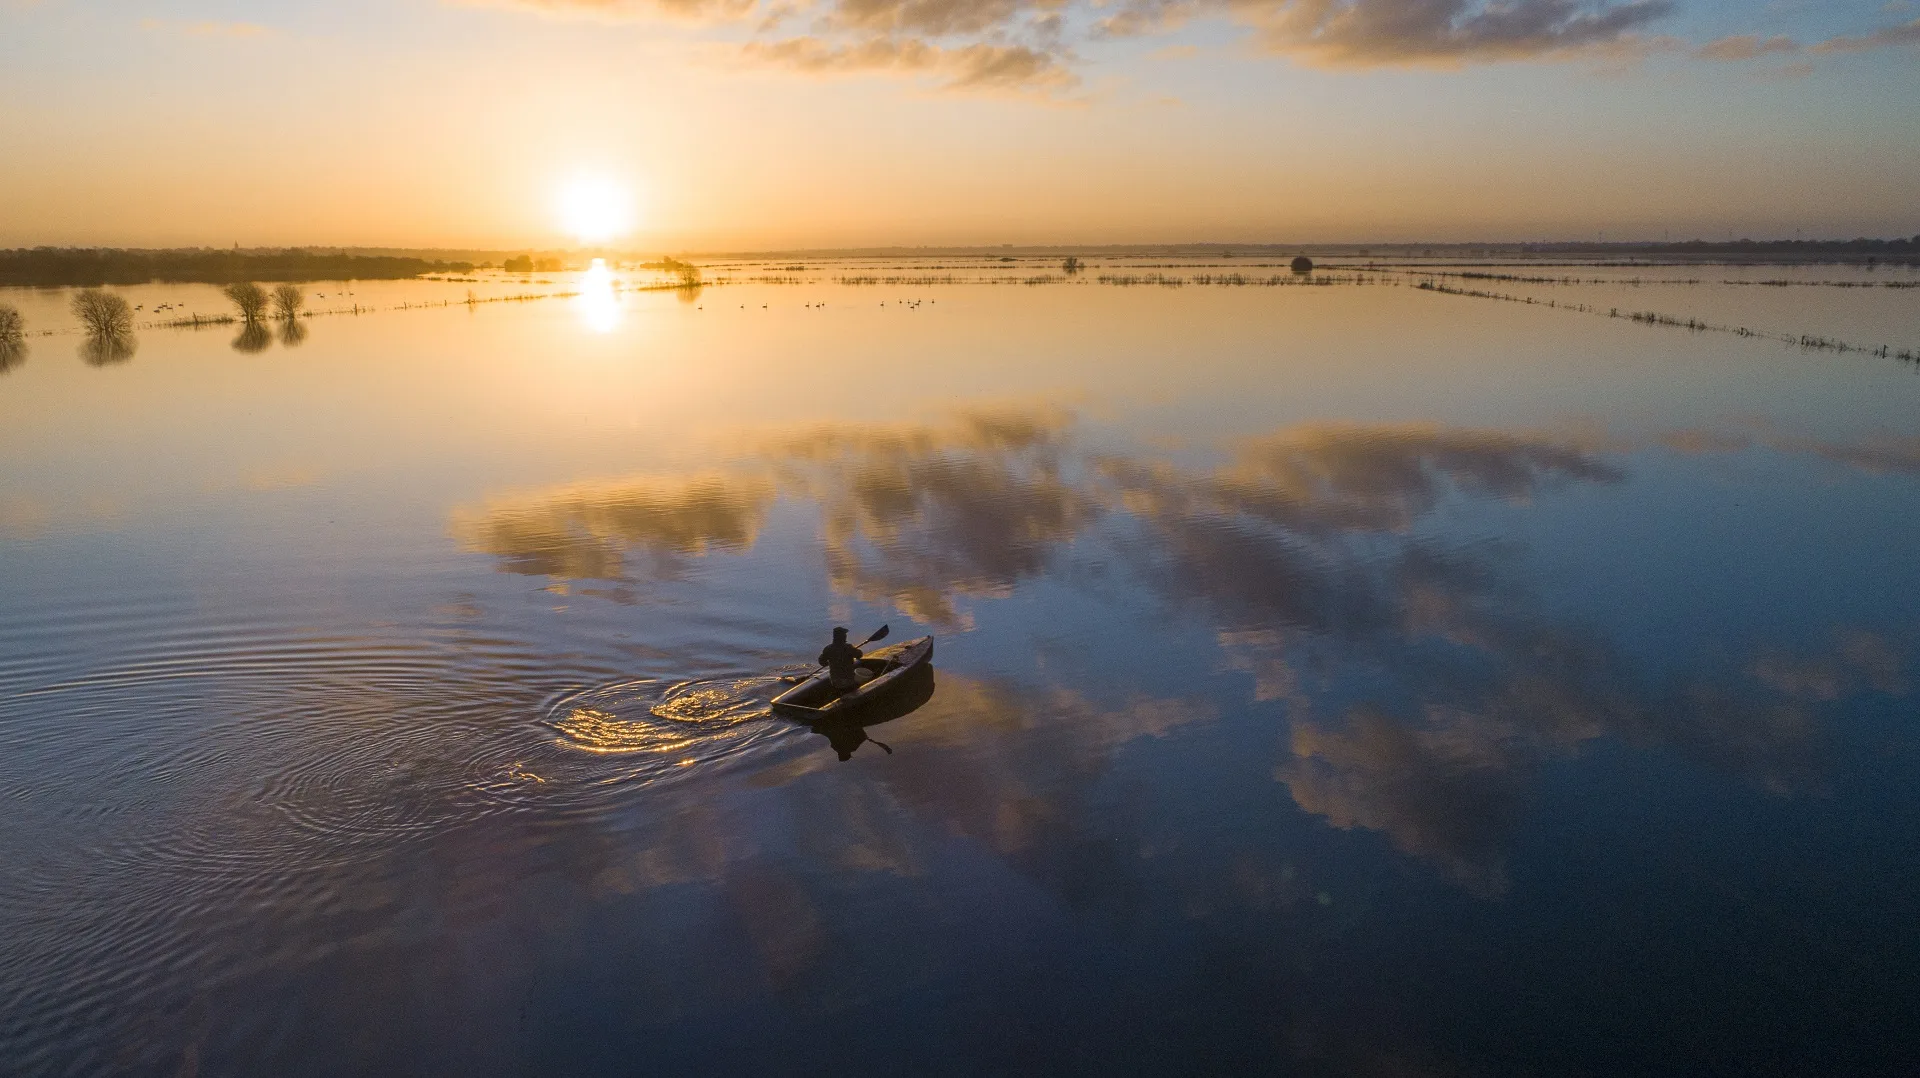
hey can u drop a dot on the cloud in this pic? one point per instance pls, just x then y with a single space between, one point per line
969 67
1444 32
935 18
1371 33
1745 47
1026 45
1907 33
205 29
684 11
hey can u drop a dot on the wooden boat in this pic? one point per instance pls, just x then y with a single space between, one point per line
815 699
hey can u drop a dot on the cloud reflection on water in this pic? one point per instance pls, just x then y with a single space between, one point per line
1424 687
586 531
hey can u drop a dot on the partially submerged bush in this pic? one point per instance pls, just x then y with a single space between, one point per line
689 273
13 339
287 301
103 313
249 297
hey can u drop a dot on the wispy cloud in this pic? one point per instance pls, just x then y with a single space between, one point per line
204 29
1907 33
1745 47
977 66
693 11
1027 46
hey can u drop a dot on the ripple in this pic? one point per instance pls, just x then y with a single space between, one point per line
648 731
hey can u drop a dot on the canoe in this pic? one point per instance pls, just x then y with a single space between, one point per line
814 699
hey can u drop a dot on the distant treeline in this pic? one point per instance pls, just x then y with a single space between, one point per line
90 267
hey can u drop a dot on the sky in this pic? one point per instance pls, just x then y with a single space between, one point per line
734 125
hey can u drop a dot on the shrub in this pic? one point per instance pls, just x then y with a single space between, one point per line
287 301
249 297
103 313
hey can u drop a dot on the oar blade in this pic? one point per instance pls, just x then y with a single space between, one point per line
880 634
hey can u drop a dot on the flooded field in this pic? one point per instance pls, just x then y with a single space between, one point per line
1339 673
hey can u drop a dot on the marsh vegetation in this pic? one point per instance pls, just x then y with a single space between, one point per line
250 298
13 338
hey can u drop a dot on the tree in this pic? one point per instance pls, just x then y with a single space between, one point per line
13 339
103 313
688 272
287 301
250 298
1071 265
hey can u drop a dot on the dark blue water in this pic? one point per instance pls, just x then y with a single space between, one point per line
1339 680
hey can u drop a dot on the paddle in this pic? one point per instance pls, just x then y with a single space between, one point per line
878 634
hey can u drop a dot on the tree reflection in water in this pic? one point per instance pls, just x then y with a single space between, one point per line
254 338
108 349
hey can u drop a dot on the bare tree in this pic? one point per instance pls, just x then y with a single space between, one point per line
688 272
250 298
13 339
103 313
287 301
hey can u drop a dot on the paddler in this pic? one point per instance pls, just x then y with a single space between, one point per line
841 660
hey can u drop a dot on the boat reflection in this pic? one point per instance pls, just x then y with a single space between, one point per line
847 732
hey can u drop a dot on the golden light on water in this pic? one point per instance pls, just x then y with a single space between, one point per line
595 209
598 301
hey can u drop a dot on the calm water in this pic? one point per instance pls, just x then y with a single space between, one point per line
1334 680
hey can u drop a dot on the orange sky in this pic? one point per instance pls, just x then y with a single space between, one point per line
853 122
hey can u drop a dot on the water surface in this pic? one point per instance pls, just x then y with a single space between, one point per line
1350 679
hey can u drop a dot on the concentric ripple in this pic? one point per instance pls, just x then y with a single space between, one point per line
656 730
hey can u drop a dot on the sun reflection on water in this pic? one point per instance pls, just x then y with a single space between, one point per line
599 301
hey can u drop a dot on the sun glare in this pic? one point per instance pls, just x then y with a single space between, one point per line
599 299
595 209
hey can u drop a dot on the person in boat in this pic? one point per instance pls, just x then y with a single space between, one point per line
842 662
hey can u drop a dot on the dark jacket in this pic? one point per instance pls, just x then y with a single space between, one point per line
839 660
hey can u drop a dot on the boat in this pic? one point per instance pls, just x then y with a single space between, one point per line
816 700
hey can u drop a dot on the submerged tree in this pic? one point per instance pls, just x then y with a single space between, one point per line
103 314
287 301
688 272
106 349
250 298
292 332
13 339
1071 265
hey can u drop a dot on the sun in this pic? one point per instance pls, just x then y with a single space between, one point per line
595 209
